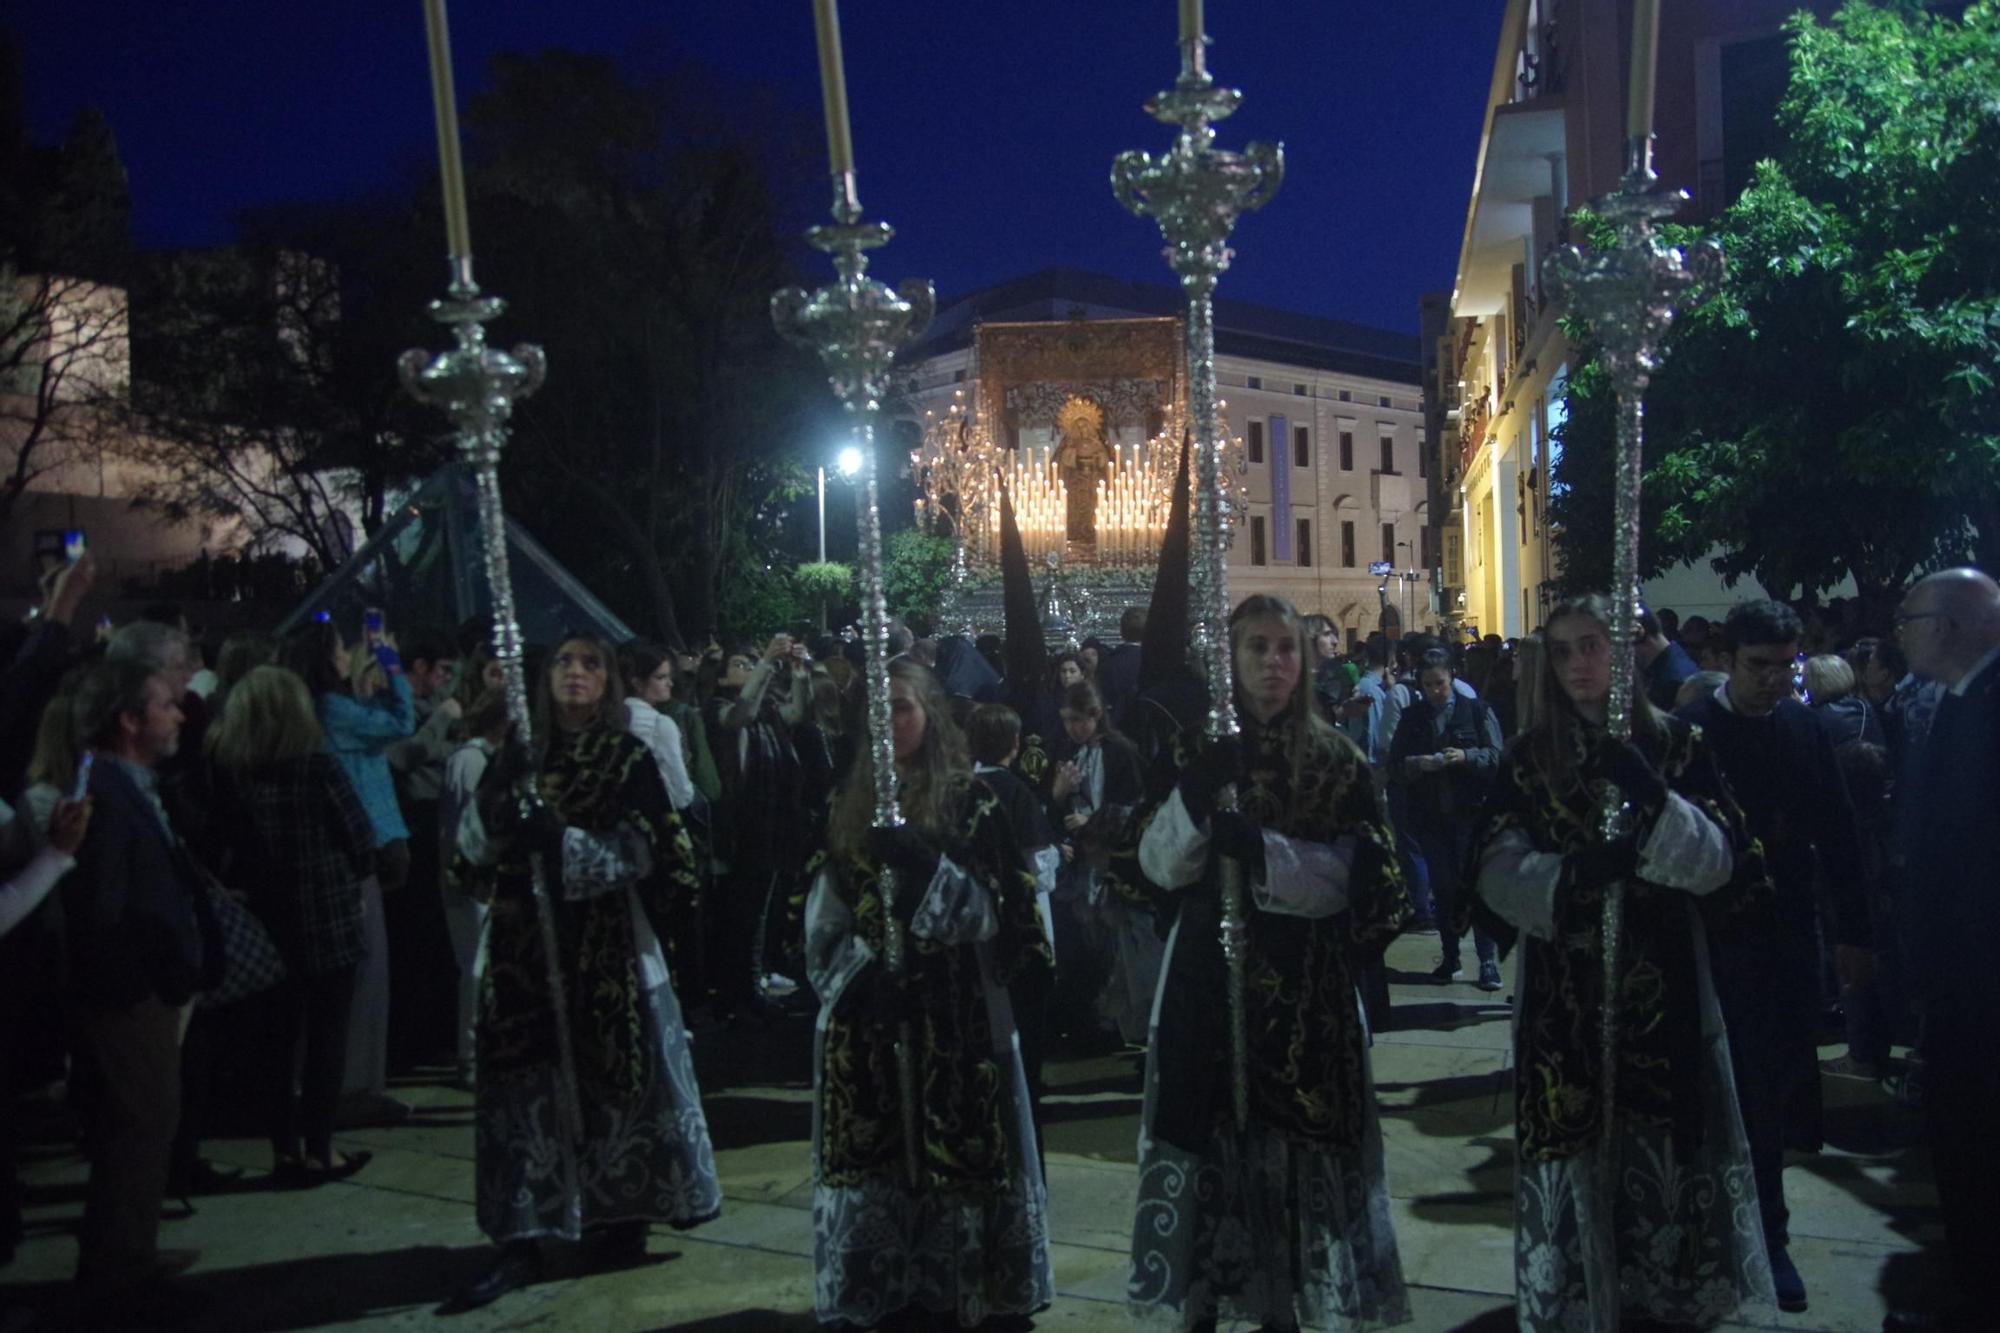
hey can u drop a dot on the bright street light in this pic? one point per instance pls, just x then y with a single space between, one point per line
849 461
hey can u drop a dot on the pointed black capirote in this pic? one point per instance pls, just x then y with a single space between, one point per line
1026 655
1165 652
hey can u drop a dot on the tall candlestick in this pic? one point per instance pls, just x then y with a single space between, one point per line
451 170
1190 21
833 98
1645 59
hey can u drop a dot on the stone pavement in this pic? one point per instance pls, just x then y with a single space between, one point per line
379 1251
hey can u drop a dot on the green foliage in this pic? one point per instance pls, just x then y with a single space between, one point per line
916 570
825 581
755 597
1829 408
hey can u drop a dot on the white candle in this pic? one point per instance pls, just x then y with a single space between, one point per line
1645 60
451 170
833 88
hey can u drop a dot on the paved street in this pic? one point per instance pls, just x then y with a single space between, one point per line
379 1251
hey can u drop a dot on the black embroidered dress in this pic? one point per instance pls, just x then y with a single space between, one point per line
645 1152
1289 1222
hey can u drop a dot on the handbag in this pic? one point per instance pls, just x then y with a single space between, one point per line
251 963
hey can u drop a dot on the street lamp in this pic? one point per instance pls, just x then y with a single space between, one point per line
847 462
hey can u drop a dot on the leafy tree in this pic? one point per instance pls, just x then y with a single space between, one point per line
1830 408
825 584
916 571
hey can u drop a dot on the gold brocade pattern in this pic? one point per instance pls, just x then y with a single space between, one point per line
961 1080
1557 1089
598 781
1307 1059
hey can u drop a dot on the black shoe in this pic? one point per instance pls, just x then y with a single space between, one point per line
1785 1277
1447 971
520 1265
620 1245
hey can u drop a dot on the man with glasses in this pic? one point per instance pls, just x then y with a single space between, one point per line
1949 629
1779 761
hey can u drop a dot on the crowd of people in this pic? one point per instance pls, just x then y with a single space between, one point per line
286 868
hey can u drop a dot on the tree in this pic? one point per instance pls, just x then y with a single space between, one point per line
825 584
916 571
1829 409
638 241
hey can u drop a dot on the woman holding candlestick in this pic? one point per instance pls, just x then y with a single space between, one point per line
968 1240
1284 1221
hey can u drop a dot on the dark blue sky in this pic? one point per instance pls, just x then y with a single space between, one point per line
984 131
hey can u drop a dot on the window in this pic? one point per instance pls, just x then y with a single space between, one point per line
1253 435
1255 381
1302 451
1389 542
1298 390
1427 544
1383 401
1305 543
958 377
1347 451
1423 460
1346 397
1388 453
1256 539
1346 543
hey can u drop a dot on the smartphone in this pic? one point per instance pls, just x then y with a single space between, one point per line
371 624
82 787
73 545
322 616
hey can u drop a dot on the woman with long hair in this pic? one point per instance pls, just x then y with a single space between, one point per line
969 1239
1668 1226
1094 789
608 839
1287 1222
301 847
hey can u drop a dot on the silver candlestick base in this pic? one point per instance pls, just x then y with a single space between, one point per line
1195 192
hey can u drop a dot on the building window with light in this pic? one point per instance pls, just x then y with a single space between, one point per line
1347 543
1347 451
1257 539
1305 543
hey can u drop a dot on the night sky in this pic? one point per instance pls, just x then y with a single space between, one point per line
984 129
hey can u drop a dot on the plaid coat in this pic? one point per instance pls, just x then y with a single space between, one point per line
300 844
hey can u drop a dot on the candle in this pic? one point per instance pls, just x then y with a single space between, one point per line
1190 21
833 88
458 233
1645 57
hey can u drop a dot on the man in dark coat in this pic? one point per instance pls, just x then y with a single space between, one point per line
1118 670
1663 664
140 938
1949 627
1780 764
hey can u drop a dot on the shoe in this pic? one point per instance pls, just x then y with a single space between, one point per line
1847 1066
1448 971
520 1265
1489 976
1785 1278
344 1165
620 1245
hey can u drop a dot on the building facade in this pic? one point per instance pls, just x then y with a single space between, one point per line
1329 417
1495 357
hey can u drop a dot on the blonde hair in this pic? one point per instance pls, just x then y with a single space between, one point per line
1308 733
268 719
57 746
931 781
1828 678
1551 738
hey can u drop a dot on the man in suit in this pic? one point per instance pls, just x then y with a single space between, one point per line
1949 629
1118 672
139 938
1780 763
